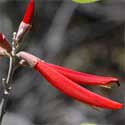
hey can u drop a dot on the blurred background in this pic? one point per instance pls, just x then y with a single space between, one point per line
87 38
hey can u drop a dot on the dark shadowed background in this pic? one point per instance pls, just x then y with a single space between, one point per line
88 38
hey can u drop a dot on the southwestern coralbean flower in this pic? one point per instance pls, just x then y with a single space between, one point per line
68 86
25 25
5 47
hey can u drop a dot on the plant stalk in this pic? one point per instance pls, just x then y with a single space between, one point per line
7 82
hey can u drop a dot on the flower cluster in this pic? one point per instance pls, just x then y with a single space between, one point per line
66 80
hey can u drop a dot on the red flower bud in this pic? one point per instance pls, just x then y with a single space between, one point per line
84 78
25 25
29 13
67 86
5 47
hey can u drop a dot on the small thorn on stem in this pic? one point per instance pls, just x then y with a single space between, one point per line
6 92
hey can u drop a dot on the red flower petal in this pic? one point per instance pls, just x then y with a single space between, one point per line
83 78
4 45
70 88
29 13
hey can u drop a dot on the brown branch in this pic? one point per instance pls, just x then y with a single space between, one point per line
7 82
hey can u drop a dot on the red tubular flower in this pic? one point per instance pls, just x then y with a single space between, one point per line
68 86
72 89
84 78
25 25
5 47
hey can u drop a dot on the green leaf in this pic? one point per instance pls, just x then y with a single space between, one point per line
84 1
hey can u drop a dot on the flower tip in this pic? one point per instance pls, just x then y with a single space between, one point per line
29 13
114 80
119 106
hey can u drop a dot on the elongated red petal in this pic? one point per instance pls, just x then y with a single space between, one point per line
4 44
83 78
72 89
29 13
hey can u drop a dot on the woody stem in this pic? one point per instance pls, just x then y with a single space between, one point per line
7 86
7 82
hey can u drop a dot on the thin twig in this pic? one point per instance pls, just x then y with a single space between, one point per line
3 106
7 82
6 89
